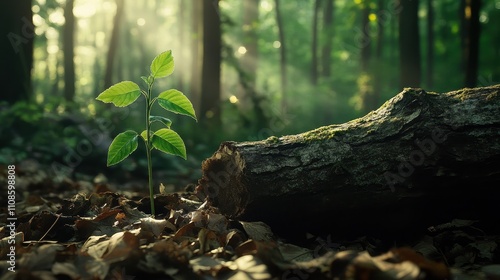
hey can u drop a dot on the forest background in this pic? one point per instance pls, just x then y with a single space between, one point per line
253 69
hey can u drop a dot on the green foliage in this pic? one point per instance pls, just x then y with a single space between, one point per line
29 130
163 65
122 146
166 140
121 94
175 101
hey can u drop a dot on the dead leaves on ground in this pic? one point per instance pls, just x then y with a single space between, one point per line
105 235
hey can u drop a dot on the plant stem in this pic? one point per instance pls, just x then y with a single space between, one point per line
148 149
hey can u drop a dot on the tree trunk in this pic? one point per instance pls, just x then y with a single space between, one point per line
249 61
471 50
430 44
420 159
211 69
328 35
409 44
314 44
378 76
380 31
69 51
196 39
366 46
366 80
113 44
283 59
250 39
17 33
180 68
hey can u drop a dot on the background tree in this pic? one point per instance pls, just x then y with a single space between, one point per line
196 45
113 44
367 95
471 35
409 44
283 58
314 43
378 75
69 51
180 68
430 44
249 61
211 69
16 50
365 42
326 52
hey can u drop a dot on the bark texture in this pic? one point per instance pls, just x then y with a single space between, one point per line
420 159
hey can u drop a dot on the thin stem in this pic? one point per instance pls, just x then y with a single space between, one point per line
148 149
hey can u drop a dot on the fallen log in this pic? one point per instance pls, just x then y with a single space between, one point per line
421 158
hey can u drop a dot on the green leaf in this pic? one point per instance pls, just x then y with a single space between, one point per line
143 135
145 79
175 101
162 65
163 120
122 146
121 94
168 141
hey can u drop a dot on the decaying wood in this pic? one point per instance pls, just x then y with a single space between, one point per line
420 159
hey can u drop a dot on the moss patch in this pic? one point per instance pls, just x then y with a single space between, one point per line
272 140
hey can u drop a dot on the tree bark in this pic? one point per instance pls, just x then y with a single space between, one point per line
420 159
409 44
69 51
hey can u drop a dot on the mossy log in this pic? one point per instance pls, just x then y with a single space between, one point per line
420 159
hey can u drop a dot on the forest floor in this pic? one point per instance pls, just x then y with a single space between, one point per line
92 229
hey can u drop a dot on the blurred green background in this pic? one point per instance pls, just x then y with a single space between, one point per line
252 68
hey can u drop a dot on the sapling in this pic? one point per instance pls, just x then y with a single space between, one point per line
166 140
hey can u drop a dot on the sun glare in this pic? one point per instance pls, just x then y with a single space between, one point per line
242 50
86 10
233 99
266 6
141 21
57 17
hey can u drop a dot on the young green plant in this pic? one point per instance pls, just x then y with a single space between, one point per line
166 140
